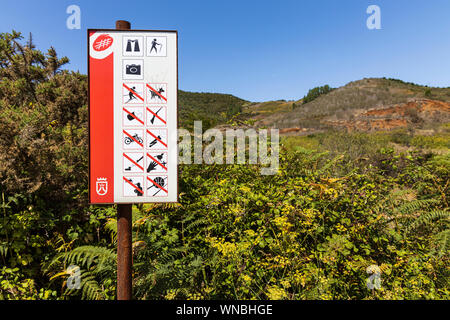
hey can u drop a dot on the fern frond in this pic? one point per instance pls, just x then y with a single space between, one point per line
111 227
415 205
427 218
442 243
87 255
90 289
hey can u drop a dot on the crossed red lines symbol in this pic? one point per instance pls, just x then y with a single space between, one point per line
133 162
131 137
133 92
134 186
164 121
163 166
133 115
157 185
155 91
165 145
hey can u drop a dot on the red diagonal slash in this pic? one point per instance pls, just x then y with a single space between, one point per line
165 145
133 92
133 138
134 162
134 116
157 185
150 87
132 184
156 116
163 166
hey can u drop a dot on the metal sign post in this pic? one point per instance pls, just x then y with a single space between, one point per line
124 235
133 86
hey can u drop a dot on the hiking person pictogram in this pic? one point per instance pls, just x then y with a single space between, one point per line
154 44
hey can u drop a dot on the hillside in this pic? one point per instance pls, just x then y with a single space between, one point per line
210 108
368 104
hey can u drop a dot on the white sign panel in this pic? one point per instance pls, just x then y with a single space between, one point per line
133 83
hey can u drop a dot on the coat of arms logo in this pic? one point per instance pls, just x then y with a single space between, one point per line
102 186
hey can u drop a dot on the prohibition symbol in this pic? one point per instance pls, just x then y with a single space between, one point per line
156 116
156 93
157 185
157 162
133 93
133 139
157 139
133 186
133 116
133 162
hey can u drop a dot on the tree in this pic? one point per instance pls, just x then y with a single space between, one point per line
43 155
43 119
316 92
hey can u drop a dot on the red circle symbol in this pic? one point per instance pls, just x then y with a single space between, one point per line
103 42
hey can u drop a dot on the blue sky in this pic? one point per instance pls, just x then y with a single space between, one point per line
262 50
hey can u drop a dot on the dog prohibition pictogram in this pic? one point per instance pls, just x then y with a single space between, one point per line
133 93
157 162
156 139
156 93
156 116
133 162
133 139
133 116
133 186
157 186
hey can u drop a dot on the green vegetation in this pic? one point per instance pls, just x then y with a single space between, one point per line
341 204
316 92
210 108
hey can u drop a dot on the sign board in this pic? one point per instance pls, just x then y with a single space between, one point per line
133 85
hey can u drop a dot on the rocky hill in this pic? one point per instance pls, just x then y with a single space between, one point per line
368 104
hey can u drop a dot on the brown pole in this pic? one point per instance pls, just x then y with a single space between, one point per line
124 237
